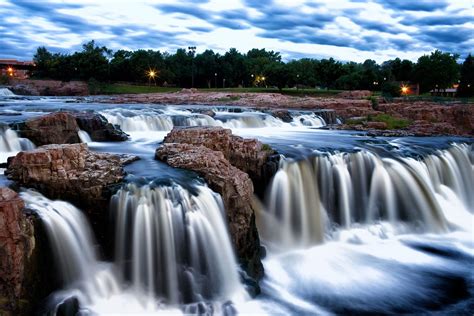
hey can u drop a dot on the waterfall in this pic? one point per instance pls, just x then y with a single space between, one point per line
308 198
174 244
141 122
84 136
11 144
165 120
310 120
4 92
74 248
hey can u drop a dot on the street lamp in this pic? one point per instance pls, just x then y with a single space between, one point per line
192 50
151 76
215 80
223 83
297 81
405 90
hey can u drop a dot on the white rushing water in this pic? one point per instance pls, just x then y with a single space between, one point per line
74 248
11 144
4 92
308 198
84 136
174 244
165 120
173 253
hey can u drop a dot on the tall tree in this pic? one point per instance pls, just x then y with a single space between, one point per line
466 84
438 70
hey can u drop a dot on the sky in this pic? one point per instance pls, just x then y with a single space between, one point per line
347 30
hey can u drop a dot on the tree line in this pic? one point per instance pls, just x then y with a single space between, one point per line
256 68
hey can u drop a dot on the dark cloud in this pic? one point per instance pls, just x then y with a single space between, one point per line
418 25
416 5
201 29
191 10
434 20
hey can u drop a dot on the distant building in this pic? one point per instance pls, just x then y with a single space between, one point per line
15 69
449 92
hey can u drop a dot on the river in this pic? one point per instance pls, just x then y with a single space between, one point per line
351 224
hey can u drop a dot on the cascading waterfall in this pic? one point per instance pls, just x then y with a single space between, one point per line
174 245
165 120
11 144
73 246
141 122
4 92
363 188
84 136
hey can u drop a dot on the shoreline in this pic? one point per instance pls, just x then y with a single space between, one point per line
425 118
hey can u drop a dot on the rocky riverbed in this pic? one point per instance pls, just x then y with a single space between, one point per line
426 118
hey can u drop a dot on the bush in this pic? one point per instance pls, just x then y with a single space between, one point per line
94 86
391 89
374 102
392 122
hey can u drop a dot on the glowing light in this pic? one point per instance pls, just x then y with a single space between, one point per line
405 89
10 69
152 74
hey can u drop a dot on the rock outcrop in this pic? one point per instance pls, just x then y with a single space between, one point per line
355 94
233 185
329 116
283 115
74 174
68 172
98 128
259 161
17 243
50 88
54 128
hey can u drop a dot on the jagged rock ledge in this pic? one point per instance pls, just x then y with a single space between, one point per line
232 166
253 157
73 173
63 128
26 267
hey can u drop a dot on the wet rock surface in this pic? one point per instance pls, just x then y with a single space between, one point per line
98 128
74 174
259 161
17 243
236 190
54 128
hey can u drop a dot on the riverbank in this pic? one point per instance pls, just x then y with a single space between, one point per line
422 118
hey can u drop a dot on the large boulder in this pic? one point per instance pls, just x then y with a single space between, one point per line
17 243
233 185
329 116
258 160
98 128
72 173
283 115
54 128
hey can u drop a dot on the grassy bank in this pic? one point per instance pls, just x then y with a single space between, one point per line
135 89
391 121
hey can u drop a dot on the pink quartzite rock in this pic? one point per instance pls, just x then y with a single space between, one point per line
16 247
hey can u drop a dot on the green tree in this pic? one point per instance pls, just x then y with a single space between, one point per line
438 70
466 85
277 74
92 62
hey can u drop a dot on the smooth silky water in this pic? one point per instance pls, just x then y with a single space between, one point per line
352 224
